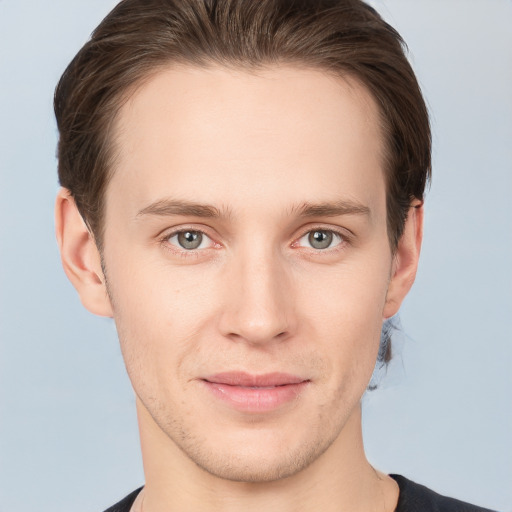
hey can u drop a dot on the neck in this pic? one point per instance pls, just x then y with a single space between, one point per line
341 479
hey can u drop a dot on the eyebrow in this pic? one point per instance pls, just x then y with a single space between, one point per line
170 207
332 209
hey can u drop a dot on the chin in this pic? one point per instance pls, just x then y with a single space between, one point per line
256 458
256 469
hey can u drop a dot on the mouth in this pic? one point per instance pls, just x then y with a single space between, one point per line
255 393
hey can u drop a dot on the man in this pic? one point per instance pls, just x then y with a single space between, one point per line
242 192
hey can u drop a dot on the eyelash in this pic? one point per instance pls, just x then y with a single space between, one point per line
344 240
194 253
183 253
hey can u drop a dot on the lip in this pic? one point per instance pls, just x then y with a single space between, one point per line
255 393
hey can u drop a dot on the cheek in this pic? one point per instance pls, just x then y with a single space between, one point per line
345 316
349 299
159 313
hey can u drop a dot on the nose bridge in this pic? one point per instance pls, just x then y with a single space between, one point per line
259 308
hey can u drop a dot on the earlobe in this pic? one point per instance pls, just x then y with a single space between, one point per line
405 261
80 256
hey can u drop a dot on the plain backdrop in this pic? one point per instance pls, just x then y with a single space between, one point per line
68 434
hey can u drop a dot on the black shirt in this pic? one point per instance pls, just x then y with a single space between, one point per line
413 498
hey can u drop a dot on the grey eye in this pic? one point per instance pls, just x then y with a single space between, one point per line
190 239
320 239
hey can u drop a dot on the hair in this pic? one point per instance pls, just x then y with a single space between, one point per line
140 37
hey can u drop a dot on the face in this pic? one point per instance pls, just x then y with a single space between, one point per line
248 262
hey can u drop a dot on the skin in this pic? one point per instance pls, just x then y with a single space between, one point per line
256 296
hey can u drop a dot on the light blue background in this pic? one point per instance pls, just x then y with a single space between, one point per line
68 435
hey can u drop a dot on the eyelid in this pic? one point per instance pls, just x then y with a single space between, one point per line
165 237
344 235
203 235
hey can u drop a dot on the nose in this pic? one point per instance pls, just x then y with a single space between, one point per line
258 305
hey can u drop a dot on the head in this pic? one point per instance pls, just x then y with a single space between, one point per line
243 188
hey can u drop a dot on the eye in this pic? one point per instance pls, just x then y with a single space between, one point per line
320 239
190 240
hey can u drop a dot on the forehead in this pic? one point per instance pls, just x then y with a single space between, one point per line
283 131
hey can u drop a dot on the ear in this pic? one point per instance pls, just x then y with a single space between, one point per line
80 256
405 262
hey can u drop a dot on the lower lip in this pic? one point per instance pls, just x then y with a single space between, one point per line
256 399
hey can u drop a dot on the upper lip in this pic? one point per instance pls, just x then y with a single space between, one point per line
249 380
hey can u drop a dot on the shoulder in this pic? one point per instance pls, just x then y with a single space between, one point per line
418 498
125 504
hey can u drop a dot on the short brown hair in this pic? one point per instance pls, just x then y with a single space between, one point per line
139 37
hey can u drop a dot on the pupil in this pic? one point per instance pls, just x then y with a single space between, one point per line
320 239
190 239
